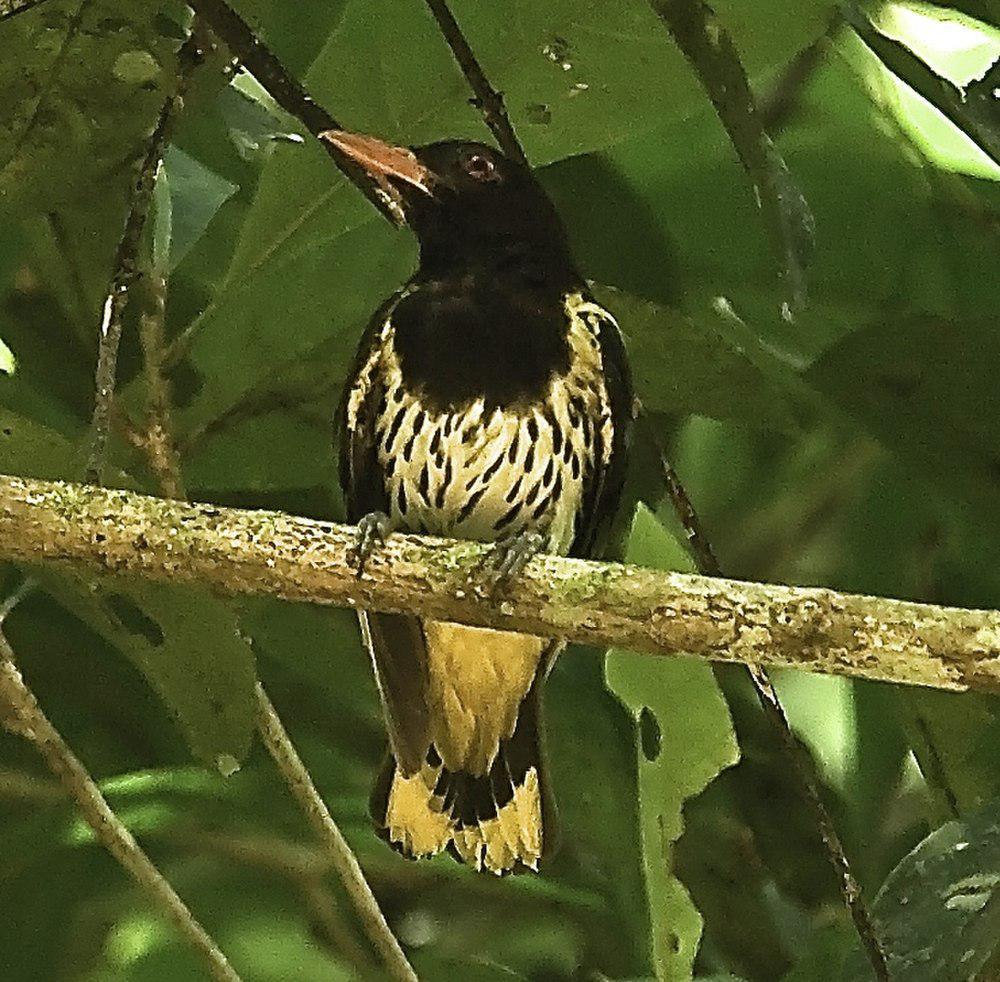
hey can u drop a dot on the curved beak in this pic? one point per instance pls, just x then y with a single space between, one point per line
384 163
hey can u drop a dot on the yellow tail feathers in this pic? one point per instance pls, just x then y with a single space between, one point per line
433 810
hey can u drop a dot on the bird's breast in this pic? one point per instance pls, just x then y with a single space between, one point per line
479 471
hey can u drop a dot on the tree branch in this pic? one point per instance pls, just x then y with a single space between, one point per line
489 102
289 94
126 264
264 552
22 715
351 875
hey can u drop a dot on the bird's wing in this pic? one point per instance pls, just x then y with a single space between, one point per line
395 642
602 490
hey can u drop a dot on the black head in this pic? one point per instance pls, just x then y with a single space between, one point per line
470 206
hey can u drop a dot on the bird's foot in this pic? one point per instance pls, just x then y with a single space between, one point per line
509 556
373 529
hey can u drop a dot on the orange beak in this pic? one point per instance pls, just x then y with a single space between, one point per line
382 161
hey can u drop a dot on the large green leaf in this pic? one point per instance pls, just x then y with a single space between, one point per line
310 238
83 81
682 366
926 387
184 641
685 739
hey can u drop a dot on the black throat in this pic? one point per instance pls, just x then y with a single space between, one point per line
495 329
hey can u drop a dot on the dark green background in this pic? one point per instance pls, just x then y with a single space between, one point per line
857 447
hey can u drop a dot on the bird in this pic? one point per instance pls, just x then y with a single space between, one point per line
490 399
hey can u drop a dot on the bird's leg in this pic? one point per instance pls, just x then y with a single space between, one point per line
510 555
373 529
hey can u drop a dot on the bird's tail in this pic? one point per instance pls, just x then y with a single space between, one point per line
501 821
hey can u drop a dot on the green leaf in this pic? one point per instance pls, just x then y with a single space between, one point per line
956 741
314 261
196 194
939 909
82 83
188 646
590 741
30 449
685 739
185 642
972 111
687 366
926 387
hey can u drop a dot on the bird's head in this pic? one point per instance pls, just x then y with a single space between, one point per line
467 203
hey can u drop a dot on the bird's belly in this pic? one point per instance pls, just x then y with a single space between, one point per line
486 474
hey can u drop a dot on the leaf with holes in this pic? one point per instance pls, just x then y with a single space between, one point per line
188 646
685 739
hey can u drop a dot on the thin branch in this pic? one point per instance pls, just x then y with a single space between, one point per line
489 102
802 764
126 263
22 715
269 553
158 438
779 104
288 93
301 784
704 554
712 54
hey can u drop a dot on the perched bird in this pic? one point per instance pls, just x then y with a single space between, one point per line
490 399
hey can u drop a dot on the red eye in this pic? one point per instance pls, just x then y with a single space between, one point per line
480 167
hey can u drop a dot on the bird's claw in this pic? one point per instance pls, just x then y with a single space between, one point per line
509 556
373 529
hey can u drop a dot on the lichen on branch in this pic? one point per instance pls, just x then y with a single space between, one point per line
298 559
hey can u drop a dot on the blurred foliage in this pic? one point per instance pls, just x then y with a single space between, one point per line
857 447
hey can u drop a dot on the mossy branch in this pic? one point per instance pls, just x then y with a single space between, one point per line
298 559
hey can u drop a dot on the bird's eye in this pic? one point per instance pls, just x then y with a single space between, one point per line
480 167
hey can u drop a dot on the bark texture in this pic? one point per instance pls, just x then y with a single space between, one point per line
298 559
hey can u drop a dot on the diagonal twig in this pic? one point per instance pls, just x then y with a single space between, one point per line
22 715
802 765
288 93
487 100
712 54
300 782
